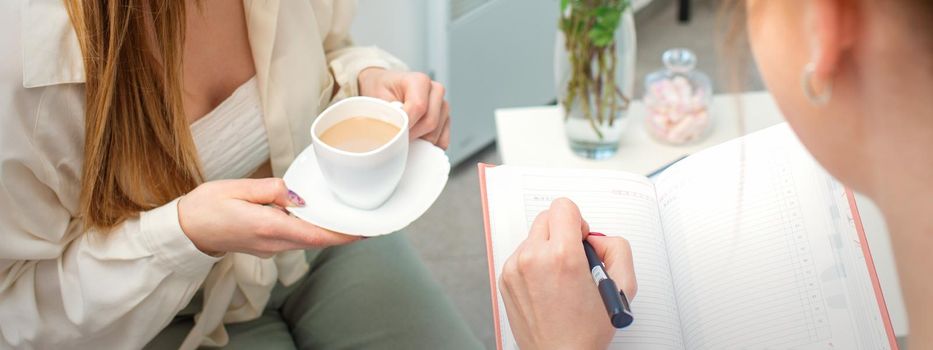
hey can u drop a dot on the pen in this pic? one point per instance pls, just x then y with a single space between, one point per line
620 315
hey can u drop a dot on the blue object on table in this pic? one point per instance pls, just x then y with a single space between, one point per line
665 166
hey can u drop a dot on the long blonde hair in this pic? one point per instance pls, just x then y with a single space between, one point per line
138 151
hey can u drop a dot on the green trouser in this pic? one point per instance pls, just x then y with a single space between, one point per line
372 294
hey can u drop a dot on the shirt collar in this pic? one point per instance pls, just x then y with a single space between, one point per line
51 54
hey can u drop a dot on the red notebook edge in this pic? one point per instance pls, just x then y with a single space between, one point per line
876 284
481 168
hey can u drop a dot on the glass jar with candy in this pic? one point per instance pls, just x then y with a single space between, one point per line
678 99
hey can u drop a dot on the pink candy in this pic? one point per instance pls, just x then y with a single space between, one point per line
677 113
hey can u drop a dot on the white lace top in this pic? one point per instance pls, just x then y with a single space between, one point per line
231 139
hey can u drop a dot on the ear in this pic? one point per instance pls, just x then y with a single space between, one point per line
834 25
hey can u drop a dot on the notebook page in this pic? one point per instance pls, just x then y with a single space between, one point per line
613 203
767 260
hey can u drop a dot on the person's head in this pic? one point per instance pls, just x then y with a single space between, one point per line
138 151
869 67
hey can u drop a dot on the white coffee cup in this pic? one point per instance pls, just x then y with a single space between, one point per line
363 180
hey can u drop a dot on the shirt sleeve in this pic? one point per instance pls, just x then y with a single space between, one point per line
345 60
62 286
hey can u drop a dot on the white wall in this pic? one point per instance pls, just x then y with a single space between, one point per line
397 26
496 55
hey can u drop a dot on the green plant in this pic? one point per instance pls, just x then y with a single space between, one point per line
589 31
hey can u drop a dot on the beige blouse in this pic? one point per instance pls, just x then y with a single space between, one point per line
60 286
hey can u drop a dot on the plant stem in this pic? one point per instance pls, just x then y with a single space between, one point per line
588 27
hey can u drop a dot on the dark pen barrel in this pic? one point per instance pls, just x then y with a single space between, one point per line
614 299
616 307
591 256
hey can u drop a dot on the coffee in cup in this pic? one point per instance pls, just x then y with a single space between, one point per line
359 134
361 146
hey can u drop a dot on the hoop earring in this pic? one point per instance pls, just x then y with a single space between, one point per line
817 99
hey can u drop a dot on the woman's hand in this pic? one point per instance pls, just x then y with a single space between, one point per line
233 216
550 297
423 99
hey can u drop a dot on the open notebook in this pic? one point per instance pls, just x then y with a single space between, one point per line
761 250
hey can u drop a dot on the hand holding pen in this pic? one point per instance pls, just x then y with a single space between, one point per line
547 286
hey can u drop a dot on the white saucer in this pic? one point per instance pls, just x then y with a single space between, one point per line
425 176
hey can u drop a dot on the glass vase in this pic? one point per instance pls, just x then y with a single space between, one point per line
594 123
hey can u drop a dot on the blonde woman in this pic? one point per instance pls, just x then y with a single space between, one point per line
854 79
128 132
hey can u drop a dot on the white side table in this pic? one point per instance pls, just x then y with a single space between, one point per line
534 136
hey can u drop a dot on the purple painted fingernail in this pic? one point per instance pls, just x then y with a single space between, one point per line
296 199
